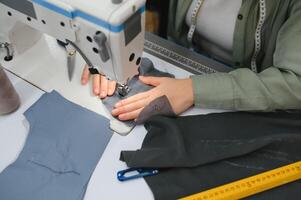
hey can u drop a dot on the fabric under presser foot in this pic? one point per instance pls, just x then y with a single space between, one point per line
63 147
197 153
146 69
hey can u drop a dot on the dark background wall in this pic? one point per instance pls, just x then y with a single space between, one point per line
157 16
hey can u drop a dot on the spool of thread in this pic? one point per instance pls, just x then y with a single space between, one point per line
9 99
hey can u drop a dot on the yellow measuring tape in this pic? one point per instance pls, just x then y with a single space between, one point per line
252 185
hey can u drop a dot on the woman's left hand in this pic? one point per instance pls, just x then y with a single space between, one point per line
178 91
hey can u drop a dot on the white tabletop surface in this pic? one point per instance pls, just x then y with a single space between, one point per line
44 66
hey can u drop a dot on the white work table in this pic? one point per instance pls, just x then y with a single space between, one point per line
44 69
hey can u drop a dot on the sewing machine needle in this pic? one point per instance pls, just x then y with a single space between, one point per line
71 63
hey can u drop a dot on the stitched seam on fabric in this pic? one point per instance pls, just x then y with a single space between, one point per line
278 155
241 142
243 166
277 158
55 171
228 141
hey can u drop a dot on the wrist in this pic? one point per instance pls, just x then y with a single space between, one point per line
189 91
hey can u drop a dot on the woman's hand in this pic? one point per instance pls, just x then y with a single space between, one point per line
102 87
178 91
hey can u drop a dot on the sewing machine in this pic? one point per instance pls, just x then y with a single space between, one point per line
108 34
40 70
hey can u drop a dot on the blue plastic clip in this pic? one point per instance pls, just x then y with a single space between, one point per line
121 175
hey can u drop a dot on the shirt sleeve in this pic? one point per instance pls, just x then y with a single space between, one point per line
277 87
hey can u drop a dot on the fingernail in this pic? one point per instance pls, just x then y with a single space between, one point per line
114 112
103 94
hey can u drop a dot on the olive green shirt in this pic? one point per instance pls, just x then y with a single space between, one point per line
278 83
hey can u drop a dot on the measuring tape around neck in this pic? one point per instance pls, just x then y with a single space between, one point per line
252 185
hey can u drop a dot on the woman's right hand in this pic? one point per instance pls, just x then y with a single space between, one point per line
102 87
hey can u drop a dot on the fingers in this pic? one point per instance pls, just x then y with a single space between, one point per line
148 80
130 115
111 88
85 75
96 84
103 86
130 107
132 99
107 88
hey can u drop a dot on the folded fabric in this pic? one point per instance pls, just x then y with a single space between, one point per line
159 106
146 69
63 147
196 153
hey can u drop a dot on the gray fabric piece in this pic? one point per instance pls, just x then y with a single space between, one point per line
146 69
63 147
159 106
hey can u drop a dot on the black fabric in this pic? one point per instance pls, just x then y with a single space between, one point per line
196 153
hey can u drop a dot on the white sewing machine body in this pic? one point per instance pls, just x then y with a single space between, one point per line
109 33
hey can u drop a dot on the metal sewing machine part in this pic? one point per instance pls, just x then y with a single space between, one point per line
9 99
108 34
8 49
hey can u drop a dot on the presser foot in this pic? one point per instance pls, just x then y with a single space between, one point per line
9 51
123 89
